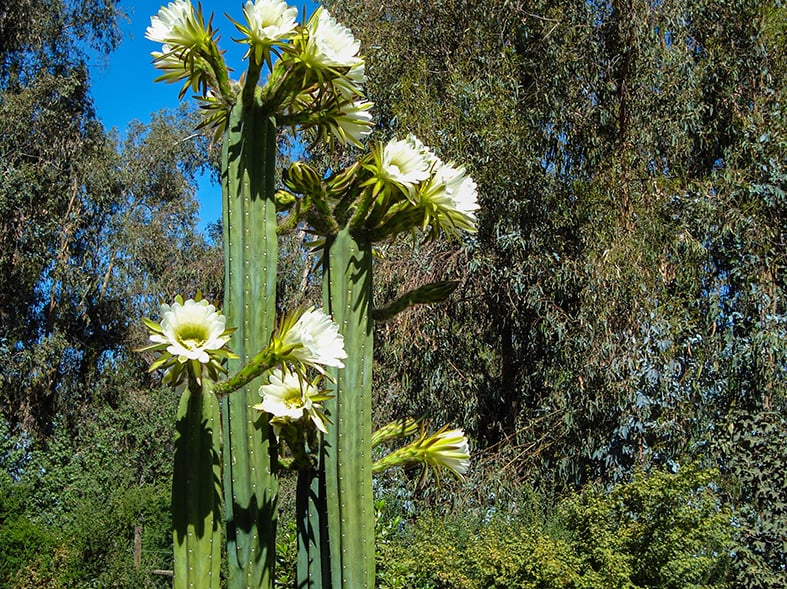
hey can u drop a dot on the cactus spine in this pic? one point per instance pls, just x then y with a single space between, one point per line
347 451
250 257
196 490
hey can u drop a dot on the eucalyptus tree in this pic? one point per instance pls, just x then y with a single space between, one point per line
628 272
84 219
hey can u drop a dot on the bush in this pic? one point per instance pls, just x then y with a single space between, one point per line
21 540
664 531
669 530
753 454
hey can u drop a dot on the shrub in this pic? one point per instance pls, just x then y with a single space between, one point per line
660 531
670 530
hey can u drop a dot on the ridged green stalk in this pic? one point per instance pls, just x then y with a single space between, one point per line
250 257
311 526
196 490
346 457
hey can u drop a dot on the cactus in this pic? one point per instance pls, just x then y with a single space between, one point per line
347 449
306 89
196 490
250 256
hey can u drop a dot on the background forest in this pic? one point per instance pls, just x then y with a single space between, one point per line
616 352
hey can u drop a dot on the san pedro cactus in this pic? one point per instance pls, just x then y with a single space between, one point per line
347 448
250 258
315 83
196 490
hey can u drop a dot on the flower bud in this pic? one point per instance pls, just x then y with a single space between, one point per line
301 178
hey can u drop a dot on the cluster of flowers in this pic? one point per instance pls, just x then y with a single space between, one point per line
192 340
192 335
445 195
399 186
316 82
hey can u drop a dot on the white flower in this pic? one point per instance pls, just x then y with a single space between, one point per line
315 340
451 197
465 196
351 84
330 44
176 24
191 330
353 122
269 20
403 163
287 398
448 449
429 156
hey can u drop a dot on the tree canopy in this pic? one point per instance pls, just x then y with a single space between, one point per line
626 291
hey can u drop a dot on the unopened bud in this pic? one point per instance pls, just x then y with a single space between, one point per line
302 179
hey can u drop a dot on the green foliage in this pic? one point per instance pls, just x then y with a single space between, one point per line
87 225
627 281
38 35
754 451
662 530
21 539
80 498
669 530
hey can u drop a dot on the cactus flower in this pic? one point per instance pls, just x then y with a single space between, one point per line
353 122
269 20
177 25
191 330
401 163
330 44
444 449
447 449
314 339
350 85
288 398
450 198
268 23
171 64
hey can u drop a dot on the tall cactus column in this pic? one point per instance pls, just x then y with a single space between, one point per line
196 491
250 257
347 450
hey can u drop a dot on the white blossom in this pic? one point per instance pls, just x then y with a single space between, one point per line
191 330
288 398
330 44
448 449
315 340
176 24
402 163
453 196
353 122
269 20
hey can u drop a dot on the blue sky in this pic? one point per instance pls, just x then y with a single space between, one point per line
122 82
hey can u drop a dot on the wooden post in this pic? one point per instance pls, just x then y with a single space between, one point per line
137 546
